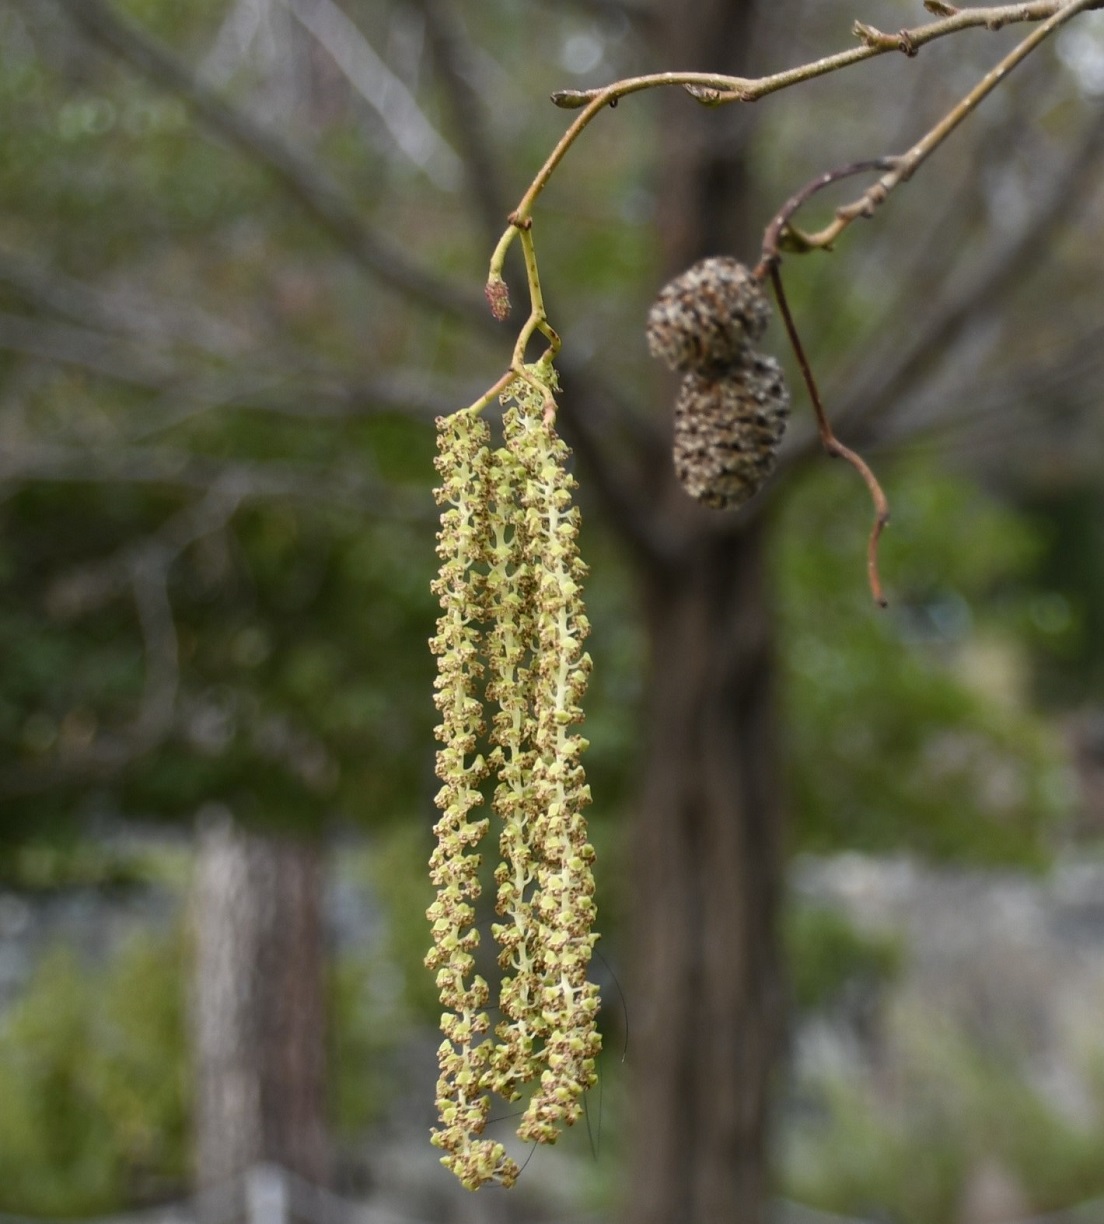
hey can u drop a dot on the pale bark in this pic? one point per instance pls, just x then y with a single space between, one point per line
258 1009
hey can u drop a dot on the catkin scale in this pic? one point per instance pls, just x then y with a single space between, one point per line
706 317
728 430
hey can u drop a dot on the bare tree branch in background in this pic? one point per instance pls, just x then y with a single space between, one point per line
141 569
410 128
641 15
304 180
120 360
452 56
1049 403
341 487
279 384
981 291
131 310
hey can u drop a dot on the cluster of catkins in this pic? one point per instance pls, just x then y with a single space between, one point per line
732 407
511 676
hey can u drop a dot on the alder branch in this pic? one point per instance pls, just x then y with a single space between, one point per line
834 446
303 179
705 88
712 89
938 238
878 407
895 170
904 166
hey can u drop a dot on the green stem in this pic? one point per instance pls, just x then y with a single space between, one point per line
538 317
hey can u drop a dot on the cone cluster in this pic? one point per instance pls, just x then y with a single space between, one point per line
511 676
733 404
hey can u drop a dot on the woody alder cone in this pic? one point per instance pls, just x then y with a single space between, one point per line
728 429
706 318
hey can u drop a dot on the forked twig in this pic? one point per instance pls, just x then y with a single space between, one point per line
900 169
777 230
712 90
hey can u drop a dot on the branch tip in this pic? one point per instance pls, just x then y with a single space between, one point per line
571 99
830 442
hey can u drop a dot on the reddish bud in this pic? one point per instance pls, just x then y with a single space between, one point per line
498 297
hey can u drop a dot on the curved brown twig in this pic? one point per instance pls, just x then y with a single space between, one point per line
772 235
834 446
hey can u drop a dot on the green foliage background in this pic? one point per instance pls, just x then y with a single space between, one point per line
302 619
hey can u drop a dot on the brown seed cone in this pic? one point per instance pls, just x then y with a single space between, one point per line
706 318
728 429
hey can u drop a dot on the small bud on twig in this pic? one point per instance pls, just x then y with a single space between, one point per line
498 297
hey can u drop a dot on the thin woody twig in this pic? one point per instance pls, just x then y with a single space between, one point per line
904 166
918 346
715 90
834 446
538 317
451 54
776 229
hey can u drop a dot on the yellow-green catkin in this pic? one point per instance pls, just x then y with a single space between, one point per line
512 583
462 1100
510 588
566 1003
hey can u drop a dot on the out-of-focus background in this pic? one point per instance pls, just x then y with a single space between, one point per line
850 875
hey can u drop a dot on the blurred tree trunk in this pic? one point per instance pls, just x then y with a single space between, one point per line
707 876
258 1012
707 883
